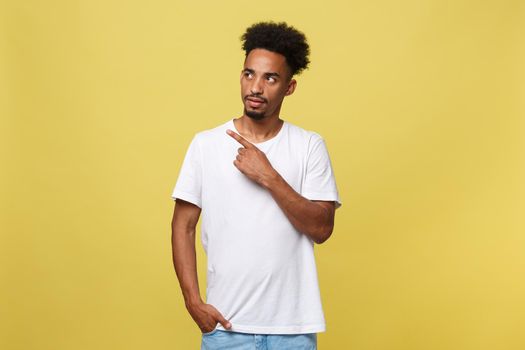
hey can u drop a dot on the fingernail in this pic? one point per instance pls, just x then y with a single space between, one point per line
228 325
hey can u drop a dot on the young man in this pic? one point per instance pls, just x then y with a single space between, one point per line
267 193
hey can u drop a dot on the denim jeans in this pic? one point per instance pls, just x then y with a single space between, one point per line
228 340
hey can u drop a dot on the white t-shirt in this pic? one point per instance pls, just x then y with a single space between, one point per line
261 272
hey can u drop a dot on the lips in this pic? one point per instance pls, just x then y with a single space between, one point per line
254 99
254 102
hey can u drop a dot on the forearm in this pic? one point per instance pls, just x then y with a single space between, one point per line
185 262
306 216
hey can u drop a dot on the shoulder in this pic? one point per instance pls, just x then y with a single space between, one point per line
211 136
309 138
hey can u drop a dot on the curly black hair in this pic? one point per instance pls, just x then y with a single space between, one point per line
280 38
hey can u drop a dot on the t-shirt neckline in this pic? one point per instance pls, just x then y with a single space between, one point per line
264 143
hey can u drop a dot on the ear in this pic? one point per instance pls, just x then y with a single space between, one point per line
291 87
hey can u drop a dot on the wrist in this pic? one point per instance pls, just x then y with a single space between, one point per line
270 180
191 302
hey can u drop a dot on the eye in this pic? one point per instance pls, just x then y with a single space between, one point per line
271 79
248 74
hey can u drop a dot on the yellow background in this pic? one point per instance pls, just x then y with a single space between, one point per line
422 105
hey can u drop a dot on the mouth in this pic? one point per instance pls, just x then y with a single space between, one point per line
254 102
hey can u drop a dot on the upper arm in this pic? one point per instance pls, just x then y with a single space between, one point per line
319 180
185 216
189 182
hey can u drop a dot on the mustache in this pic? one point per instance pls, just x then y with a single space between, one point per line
257 97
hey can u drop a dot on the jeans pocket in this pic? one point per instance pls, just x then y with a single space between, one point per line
210 333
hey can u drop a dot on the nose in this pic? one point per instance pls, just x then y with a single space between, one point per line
257 87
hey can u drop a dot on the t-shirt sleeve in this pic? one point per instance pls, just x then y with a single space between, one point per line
189 183
319 181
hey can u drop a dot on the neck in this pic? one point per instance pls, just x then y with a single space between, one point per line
258 130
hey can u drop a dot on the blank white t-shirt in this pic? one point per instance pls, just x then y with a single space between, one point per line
261 272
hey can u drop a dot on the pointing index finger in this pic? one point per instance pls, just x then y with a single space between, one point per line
239 139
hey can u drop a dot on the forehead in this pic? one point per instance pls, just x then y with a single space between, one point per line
265 61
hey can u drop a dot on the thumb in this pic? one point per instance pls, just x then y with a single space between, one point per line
223 321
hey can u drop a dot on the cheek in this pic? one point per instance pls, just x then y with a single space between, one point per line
278 94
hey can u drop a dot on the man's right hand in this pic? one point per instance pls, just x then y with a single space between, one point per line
206 316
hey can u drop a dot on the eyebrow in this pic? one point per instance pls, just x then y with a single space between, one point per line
268 74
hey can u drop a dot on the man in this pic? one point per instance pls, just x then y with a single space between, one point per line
267 193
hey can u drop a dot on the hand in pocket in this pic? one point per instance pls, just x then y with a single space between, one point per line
206 316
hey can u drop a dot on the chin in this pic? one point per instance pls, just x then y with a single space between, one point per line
254 115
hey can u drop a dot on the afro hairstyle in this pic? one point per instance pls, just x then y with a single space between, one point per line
279 38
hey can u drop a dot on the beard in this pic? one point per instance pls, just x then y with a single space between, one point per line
254 115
